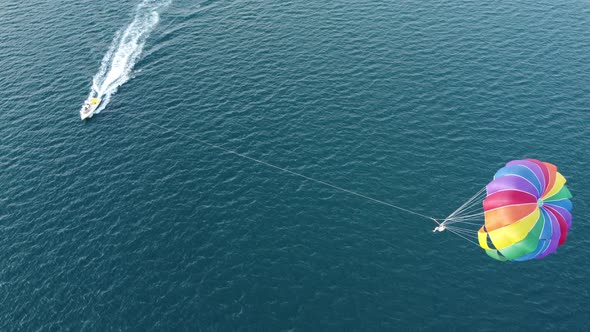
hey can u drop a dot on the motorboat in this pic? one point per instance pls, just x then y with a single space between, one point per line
90 105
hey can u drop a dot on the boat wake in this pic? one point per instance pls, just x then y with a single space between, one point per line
118 62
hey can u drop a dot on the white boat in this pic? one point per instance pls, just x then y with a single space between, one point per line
89 107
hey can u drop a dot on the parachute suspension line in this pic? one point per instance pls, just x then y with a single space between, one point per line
464 231
467 235
464 222
466 212
473 206
463 214
476 216
469 240
464 205
219 147
468 204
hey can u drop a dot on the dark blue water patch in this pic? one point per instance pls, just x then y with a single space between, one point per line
118 224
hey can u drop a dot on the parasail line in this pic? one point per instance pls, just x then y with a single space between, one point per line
284 169
461 220
472 207
450 222
468 216
472 210
459 214
450 230
465 231
467 204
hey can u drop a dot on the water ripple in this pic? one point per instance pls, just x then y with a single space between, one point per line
116 225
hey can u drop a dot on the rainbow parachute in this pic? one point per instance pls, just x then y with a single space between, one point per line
527 211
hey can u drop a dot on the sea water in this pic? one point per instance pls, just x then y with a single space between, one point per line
118 224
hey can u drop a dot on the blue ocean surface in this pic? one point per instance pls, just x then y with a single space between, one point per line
129 222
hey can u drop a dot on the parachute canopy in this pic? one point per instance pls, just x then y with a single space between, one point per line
527 211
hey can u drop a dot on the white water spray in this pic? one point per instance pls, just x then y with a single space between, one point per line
118 62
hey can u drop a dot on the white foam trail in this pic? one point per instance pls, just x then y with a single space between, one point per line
118 62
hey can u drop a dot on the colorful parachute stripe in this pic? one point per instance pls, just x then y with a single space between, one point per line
527 211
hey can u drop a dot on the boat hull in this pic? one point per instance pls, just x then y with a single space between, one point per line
88 109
